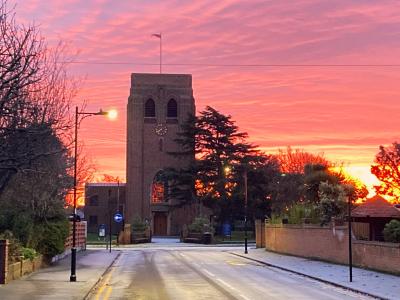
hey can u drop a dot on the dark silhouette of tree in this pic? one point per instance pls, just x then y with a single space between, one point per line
218 157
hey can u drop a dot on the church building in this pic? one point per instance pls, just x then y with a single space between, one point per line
157 106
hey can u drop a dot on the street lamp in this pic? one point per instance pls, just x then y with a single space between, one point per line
245 211
227 170
112 114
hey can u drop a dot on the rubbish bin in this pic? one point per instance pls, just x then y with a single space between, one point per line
207 237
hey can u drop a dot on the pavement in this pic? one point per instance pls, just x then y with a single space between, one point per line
53 282
376 284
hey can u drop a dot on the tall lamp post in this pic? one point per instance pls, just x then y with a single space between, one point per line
227 170
112 114
245 211
350 241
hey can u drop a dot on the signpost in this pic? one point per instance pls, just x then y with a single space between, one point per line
118 218
102 231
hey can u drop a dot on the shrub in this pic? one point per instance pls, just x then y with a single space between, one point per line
52 237
22 228
200 225
275 219
14 248
29 253
391 232
138 225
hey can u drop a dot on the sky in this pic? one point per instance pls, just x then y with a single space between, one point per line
318 75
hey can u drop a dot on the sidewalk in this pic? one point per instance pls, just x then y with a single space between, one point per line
380 285
53 282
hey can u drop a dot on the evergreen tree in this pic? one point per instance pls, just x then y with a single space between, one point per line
220 156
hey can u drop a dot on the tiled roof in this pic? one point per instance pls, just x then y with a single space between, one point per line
376 207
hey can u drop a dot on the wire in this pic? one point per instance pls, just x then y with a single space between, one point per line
237 65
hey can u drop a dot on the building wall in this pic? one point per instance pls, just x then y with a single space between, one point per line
144 158
331 244
107 203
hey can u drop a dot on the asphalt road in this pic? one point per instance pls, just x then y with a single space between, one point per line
205 274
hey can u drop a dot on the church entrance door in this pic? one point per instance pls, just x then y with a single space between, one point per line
160 223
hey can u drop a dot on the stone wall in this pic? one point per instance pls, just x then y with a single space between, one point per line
331 244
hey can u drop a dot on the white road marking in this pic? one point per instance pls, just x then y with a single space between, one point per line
208 272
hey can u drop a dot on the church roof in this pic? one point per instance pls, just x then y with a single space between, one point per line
376 207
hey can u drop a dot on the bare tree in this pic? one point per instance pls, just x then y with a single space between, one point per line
35 94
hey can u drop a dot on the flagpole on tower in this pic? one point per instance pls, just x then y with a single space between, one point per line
158 35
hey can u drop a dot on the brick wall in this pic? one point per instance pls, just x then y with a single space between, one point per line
331 244
3 261
260 233
81 235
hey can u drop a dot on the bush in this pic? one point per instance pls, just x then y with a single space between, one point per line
29 253
200 225
391 232
138 225
275 219
52 237
14 248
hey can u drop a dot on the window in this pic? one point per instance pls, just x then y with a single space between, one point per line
150 109
94 200
172 109
159 188
92 220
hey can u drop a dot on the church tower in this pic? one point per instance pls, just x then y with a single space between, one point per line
158 104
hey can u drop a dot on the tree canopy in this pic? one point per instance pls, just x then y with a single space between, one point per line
387 170
220 156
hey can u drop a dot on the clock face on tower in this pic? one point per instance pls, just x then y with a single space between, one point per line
160 129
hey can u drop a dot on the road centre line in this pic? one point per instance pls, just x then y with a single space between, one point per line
108 293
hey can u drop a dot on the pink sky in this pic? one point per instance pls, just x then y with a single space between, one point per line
344 111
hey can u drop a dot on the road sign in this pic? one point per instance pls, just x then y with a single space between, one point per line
118 218
102 230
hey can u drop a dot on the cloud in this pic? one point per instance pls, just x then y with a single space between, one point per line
347 111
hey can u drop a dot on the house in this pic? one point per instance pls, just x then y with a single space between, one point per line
371 217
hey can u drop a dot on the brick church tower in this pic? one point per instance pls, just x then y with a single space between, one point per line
157 106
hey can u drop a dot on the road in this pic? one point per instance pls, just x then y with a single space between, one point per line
201 273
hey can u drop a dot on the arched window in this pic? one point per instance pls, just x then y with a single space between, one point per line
150 109
159 188
172 109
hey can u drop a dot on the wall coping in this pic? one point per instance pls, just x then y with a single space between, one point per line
377 243
304 226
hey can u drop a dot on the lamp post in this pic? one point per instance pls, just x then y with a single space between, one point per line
350 241
245 211
227 170
112 114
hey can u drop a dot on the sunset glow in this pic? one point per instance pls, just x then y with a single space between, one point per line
319 75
